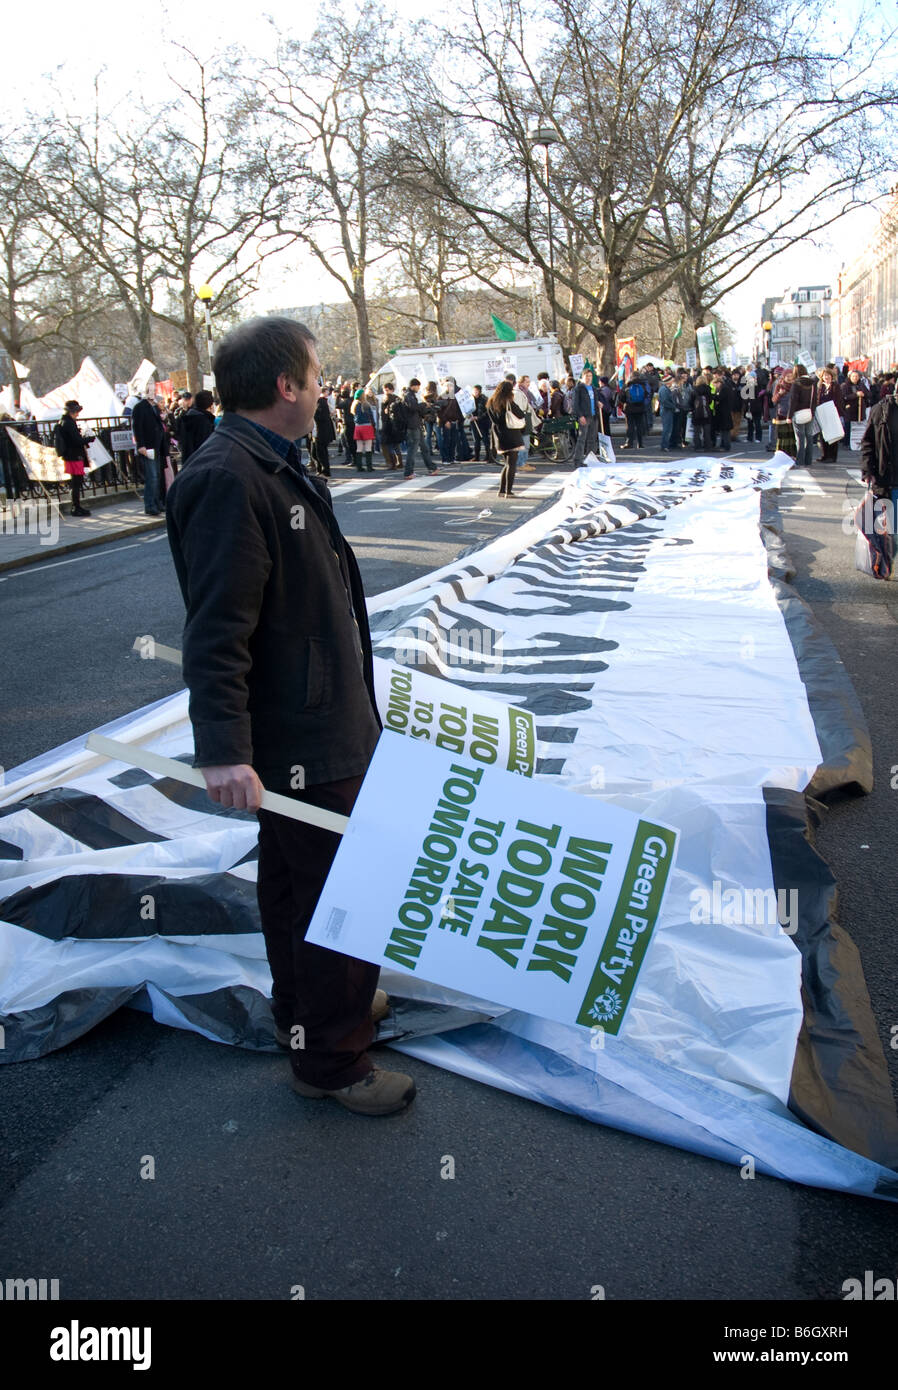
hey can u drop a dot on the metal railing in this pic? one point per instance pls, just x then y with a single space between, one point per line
123 474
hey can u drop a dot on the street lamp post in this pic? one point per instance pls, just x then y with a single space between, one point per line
768 329
205 295
546 136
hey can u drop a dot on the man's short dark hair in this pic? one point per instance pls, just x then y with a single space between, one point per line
249 360
414 382
202 400
510 376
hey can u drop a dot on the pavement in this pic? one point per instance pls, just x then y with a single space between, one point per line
32 530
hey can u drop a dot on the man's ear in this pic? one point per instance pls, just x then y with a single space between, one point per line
286 387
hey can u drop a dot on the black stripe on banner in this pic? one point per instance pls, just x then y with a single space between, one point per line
10 851
93 907
131 777
88 819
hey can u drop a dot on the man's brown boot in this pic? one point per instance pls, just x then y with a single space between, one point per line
378 1093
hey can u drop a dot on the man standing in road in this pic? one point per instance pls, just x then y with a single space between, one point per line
587 409
277 659
414 439
150 441
879 452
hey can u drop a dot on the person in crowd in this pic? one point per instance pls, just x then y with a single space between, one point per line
544 395
480 426
414 440
608 398
431 418
590 417
197 424
72 450
722 408
855 401
684 409
668 402
151 443
363 431
14 480
323 435
830 390
803 400
393 427
507 422
277 660
633 398
347 423
568 388
450 420
527 400
702 431
879 451
784 436
652 379
754 406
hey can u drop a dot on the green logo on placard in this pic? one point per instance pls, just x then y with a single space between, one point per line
522 742
630 932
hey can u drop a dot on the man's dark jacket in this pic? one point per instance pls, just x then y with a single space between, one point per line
279 670
195 428
876 446
148 427
580 405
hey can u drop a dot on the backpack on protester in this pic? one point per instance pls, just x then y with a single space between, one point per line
636 393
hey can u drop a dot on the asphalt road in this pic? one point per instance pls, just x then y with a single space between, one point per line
256 1192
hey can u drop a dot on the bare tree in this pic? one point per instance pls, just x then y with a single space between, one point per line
627 94
184 193
31 251
329 100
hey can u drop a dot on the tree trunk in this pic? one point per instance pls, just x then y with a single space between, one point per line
194 368
363 334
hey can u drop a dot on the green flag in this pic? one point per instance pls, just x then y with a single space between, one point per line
679 332
504 331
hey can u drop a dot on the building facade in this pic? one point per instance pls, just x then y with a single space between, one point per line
867 303
802 326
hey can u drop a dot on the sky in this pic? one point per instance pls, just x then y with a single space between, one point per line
131 43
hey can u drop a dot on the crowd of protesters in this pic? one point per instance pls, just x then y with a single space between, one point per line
702 410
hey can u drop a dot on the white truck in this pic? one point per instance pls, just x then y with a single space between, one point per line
471 364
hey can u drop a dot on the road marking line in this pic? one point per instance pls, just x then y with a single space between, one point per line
805 483
35 569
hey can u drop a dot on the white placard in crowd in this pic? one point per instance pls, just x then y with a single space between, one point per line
493 371
576 360
208 382
691 358
858 428
121 440
466 401
442 367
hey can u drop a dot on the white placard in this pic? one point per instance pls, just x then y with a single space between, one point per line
466 401
467 723
691 358
513 890
576 360
121 440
